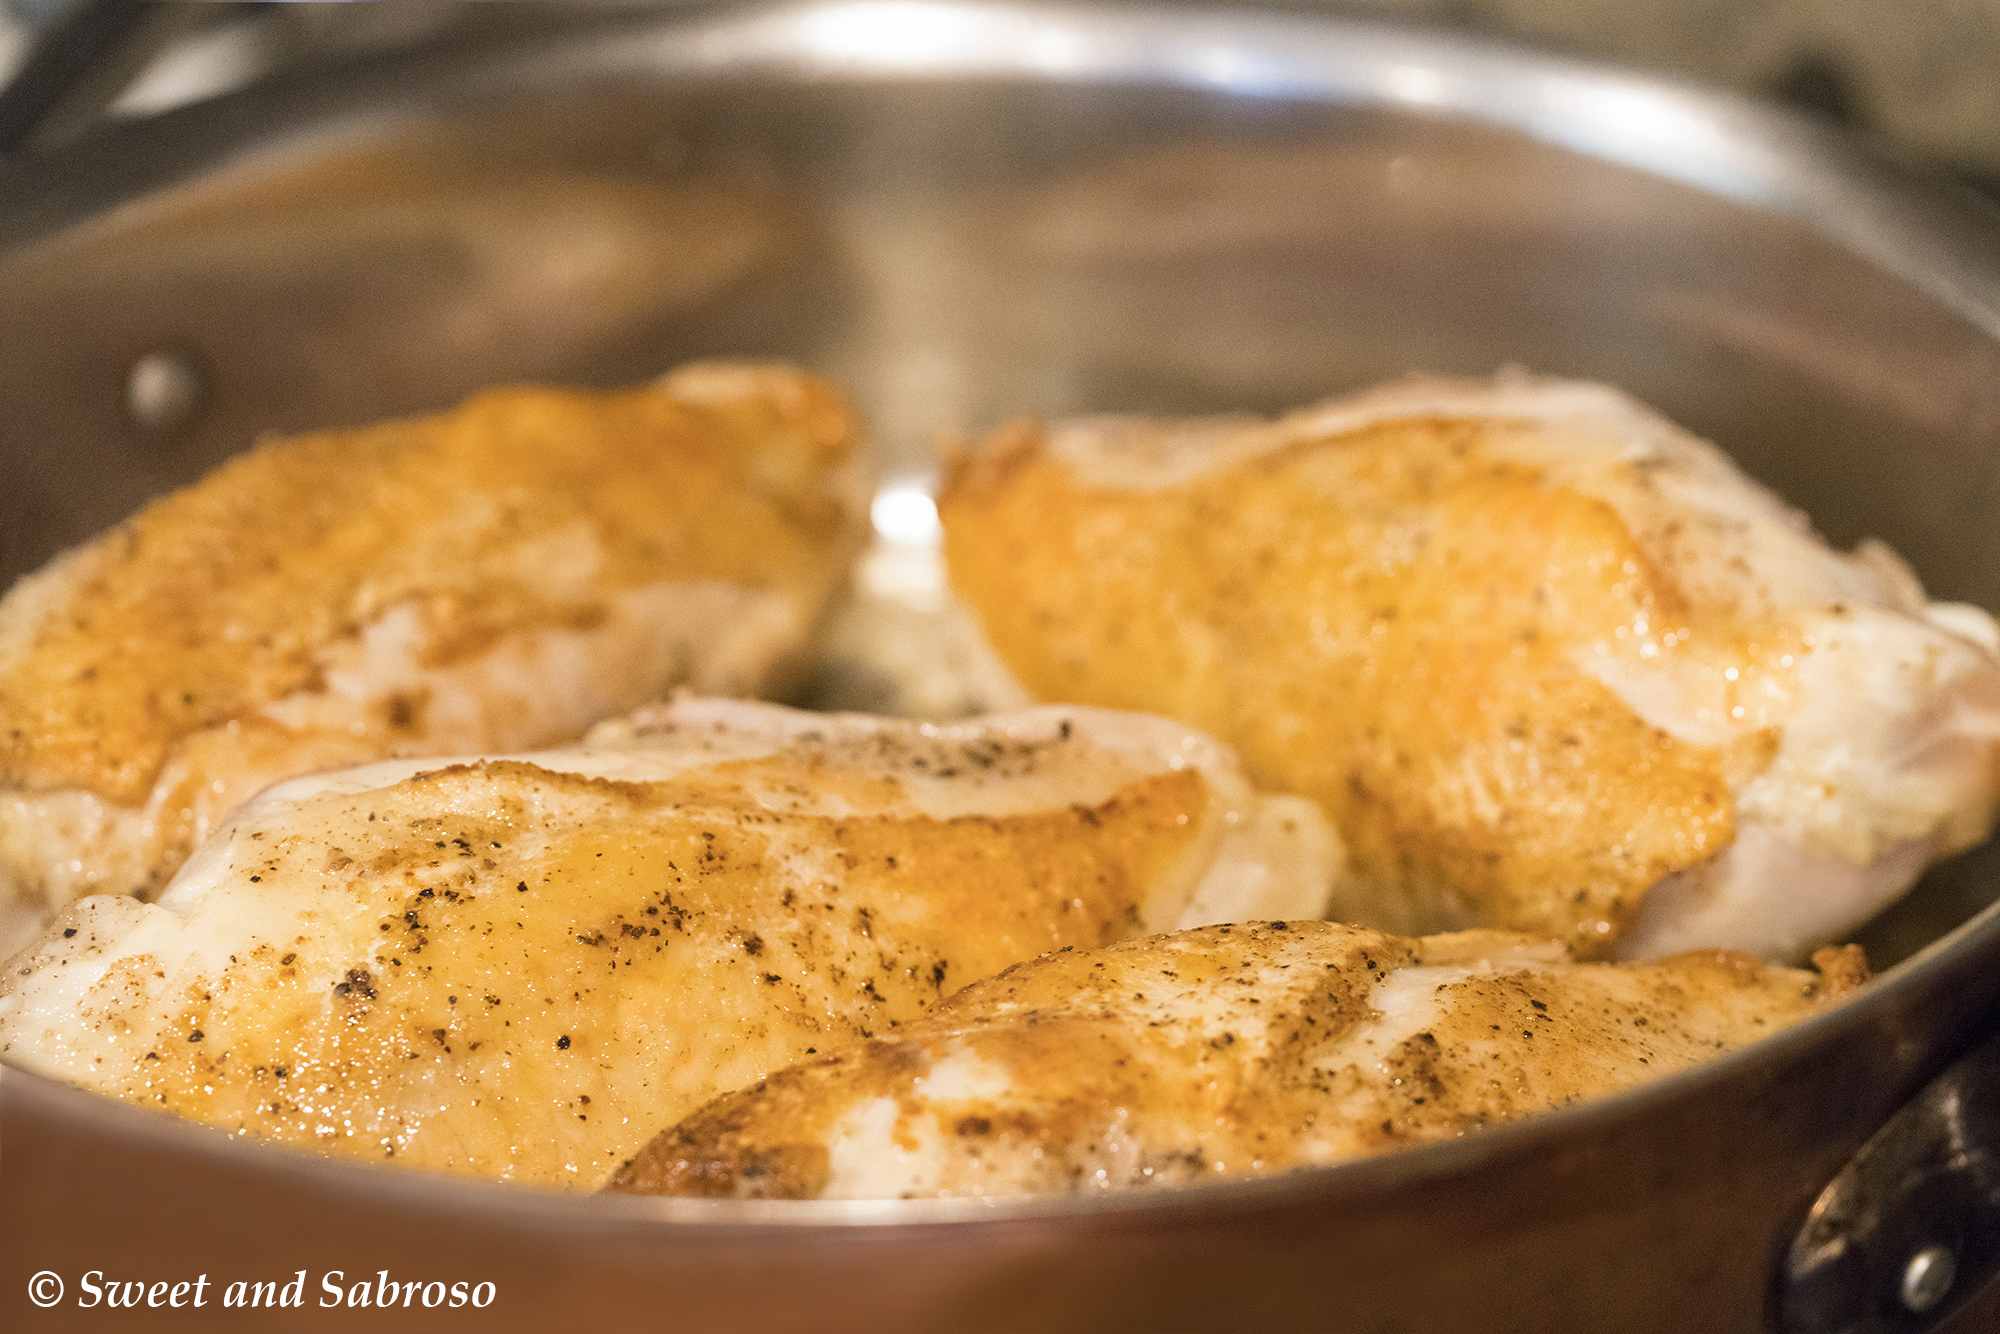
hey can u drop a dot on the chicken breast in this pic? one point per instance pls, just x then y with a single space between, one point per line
1223 1052
523 967
1549 662
496 577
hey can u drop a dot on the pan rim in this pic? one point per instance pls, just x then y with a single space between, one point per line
1947 248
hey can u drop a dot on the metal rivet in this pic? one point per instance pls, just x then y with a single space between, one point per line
164 391
1927 1278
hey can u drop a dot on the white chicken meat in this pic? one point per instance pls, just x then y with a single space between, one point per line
523 967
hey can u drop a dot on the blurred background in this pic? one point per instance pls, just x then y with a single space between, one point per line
1922 76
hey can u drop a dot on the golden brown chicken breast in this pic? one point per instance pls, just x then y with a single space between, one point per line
1549 662
496 577
1223 1052
520 967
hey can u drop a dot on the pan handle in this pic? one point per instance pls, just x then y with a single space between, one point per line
1909 1231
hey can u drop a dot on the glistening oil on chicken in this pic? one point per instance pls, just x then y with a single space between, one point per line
1549 662
493 578
1227 1051
1531 658
522 968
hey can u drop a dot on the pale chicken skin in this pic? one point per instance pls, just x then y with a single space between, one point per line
1219 1053
522 967
1549 663
496 577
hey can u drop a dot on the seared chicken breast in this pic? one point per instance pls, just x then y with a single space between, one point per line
1549 662
523 967
496 577
1223 1052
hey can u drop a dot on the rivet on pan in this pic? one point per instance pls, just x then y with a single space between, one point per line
1927 1278
165 390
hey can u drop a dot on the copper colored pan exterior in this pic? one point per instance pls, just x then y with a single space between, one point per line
967 212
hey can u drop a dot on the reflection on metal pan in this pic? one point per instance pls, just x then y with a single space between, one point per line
965 212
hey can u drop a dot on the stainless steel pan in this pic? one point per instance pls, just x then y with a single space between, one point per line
967 211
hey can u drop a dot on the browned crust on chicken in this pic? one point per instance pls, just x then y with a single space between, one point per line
506 970
1841 967
496 578
1381 620
221 596
1222 1051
